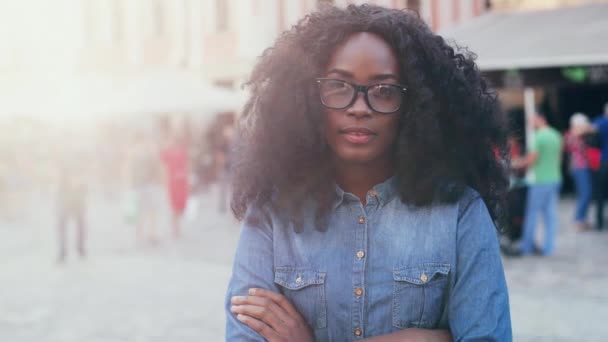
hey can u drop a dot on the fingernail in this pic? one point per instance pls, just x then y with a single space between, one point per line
240 317
235 299
252 291
233 308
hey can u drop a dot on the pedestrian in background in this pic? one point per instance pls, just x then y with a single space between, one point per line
579 167
362 175
144 182
175 159
72 192
544 157
224 158
600 126
516 198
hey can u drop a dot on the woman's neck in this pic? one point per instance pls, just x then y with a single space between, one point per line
358 179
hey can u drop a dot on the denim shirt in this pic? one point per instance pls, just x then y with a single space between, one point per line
379 268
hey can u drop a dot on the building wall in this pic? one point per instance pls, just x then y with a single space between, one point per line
508 5
118 36
216 39
230 56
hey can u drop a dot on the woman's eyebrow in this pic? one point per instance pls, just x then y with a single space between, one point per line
383 77
340 72
348 74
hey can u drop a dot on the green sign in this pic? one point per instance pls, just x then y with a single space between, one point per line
575 74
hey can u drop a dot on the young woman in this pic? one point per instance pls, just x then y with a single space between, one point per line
367 159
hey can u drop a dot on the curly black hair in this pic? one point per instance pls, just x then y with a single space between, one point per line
452 134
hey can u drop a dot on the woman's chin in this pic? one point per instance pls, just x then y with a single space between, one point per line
356 158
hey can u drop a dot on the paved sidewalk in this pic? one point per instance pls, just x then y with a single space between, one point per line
173 291
563 297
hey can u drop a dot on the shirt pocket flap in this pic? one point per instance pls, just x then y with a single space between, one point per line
297 278
421 274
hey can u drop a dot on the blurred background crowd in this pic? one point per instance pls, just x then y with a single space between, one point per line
117 119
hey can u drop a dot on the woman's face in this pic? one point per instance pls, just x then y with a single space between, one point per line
358 134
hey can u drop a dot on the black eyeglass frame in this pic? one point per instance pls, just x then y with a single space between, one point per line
361 89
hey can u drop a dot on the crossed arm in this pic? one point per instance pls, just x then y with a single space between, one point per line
273 317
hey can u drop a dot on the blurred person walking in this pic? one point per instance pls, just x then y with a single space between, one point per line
600 125
72 192
516 198
175 158
144 179
544 158
579 167
223 160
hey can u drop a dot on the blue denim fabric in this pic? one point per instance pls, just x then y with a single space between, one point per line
582 182
542 198
437 267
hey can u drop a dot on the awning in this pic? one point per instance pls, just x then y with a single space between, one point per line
571 36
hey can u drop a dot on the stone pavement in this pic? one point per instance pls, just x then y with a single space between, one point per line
563 297
173 291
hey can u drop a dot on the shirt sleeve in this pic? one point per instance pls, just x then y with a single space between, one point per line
479 302
253 267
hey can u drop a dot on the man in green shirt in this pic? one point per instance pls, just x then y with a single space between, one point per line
544 159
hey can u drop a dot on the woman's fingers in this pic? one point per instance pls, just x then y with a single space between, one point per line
264 309
261 313
272 316
280 300
259 326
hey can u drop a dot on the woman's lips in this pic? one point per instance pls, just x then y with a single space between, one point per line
358 135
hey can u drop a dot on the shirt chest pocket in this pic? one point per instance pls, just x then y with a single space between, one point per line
305 289
419 295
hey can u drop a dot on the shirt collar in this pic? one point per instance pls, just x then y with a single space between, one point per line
383 192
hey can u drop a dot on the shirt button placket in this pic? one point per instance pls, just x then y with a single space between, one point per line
358 275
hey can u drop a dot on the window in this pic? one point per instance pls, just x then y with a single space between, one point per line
90 22
118 21
414 5
281 10
104 21
221 7
158 17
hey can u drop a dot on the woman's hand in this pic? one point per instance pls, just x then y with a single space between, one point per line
272 316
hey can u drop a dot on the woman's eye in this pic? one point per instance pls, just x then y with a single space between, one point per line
384 92
336 86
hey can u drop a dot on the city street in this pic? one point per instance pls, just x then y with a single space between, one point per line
173 290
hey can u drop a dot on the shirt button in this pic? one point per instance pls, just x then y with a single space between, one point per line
424 277
358 332
361 219
359 291
299 280
360 254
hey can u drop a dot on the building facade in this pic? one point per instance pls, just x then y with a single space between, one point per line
237 31
527 5
217 40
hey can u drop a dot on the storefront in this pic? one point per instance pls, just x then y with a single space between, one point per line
553 61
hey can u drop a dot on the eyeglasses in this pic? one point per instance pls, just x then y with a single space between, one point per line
381 98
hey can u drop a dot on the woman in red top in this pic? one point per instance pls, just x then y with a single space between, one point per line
175 159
